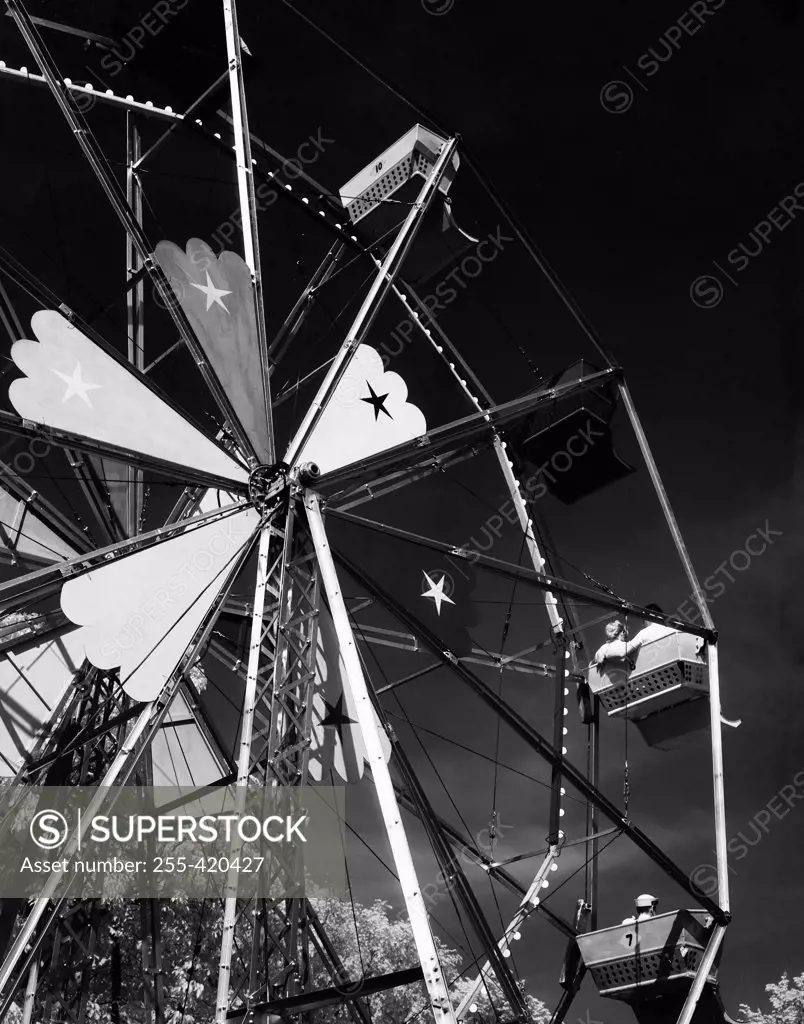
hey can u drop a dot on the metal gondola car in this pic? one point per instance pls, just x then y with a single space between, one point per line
650 964
661 690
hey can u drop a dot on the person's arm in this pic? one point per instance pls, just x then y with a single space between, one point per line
632 646
600 654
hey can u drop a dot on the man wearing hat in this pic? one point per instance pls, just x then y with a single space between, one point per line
645 908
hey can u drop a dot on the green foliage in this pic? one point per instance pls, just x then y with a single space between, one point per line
787 1003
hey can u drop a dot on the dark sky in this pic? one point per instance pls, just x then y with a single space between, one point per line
632 205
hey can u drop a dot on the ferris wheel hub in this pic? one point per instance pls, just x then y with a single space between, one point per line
265 482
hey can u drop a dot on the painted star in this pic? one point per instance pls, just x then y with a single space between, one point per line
336 717
377 403
589 1019
76 385
436 591
213 294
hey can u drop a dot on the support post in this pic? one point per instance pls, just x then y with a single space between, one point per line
451 868
244 765
714 676
704 967
593 774
411 890
248 199
526 908
40 904
30 993
559 685
135 306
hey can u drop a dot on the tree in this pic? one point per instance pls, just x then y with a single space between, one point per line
787 1003
378 944
369 940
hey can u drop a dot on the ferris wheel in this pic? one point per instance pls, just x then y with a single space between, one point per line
111 641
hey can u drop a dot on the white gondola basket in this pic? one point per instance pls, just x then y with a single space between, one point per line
660 954
665 672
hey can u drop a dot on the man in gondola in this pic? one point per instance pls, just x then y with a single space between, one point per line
619 646
645 907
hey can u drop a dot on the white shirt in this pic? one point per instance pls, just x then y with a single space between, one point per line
642 916
622 649
653 631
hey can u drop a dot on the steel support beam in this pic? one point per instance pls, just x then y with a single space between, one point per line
498 874
704 967
714 675
526 908
406 871
294 320
125 214
248 203
12 424
119 771
537 742
244 762
135 307
476 430
451 869
518 572
311 1001
49 579
386 273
